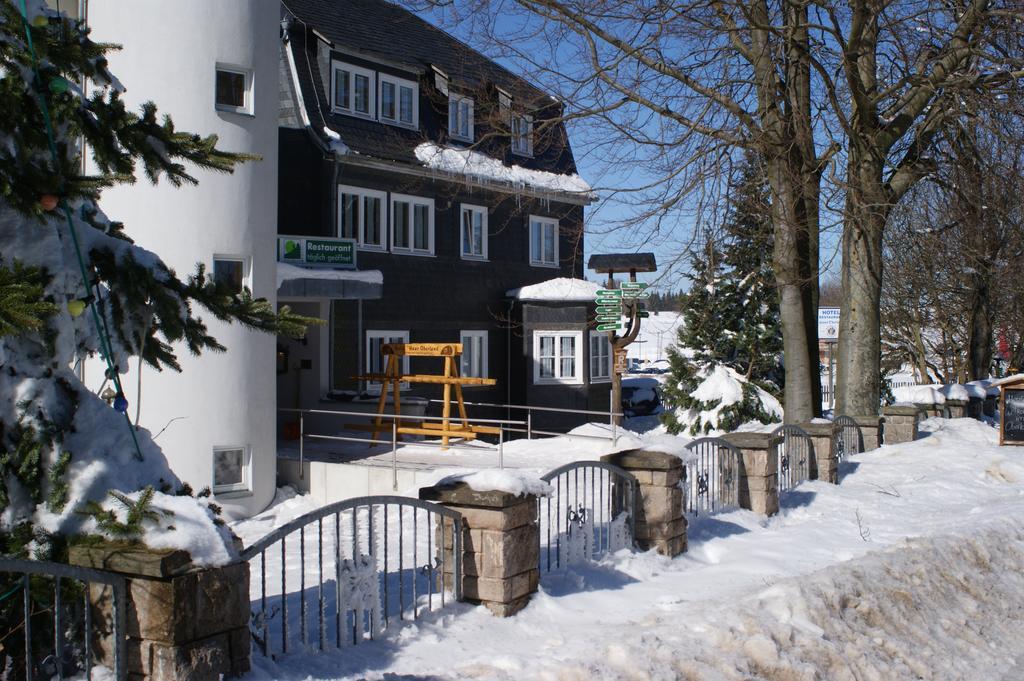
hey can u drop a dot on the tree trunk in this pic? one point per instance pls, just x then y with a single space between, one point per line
794 299
979 333
867 206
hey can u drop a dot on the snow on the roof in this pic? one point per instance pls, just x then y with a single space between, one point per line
480 166
334 140
287 272
560 289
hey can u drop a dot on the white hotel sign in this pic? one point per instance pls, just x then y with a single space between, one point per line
828 324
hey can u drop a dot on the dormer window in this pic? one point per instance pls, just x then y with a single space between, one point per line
353 90
522 135
460 117
399 101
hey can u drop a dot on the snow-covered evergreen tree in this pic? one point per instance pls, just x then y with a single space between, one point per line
726 368
73 285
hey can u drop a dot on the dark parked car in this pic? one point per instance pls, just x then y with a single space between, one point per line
641 396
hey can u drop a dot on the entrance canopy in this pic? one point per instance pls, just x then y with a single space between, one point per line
320 282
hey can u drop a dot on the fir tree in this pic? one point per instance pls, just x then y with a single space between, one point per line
725 368
73 285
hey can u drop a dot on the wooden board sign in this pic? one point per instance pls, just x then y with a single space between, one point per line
621 363
422 349
1011 412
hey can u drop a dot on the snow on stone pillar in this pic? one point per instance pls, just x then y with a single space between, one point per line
183 623
660 523
957 408
824 465
870 430
500 545
759 472
900 424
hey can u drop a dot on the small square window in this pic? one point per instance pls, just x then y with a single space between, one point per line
229 274
474 232
231 469
355 90
600 357
233 90
474 353
556 357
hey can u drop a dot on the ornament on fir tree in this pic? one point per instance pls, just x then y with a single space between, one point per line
48 201
76 307
120 403
58 86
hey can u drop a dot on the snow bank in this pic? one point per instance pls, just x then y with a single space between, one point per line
918 394
975 390
555 290
482 167
955 391
512 481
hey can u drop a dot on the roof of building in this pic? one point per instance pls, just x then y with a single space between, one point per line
381 32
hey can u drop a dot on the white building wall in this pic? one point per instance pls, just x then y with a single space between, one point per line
170 52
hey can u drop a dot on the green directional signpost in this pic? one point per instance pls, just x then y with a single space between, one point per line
621 301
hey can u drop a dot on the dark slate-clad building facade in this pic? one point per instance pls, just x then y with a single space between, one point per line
456 183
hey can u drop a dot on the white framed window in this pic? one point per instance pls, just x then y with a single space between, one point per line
231 272
522 135
232 469
361 216
375 362
473 229
398 101
543 241
354 90
557 356
474 353
233 89
600 357
412 225
460 117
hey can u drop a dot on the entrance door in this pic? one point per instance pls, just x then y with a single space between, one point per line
298 368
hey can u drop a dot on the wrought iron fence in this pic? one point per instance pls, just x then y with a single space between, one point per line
846 437
792 447
712 477
339 575
591 511
54 633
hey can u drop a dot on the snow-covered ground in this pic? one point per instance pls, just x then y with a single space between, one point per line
657 333
909 569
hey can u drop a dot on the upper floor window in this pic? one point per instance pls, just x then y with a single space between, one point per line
460 117
361 216
233 89
522 135
354 90
399 101
543 241
412 224
474 232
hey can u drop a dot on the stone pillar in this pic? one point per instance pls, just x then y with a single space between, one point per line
824 465
184 623
930 410
900 424
957 408
500 543
759 472
870 431
660 523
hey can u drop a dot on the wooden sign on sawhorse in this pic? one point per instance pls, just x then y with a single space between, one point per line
392 379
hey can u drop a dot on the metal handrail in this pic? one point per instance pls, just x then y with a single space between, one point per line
395 417
533 408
